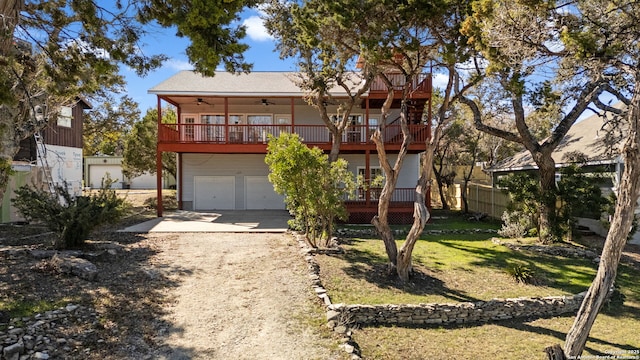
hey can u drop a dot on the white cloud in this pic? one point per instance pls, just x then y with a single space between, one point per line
440 81
178 65
255 29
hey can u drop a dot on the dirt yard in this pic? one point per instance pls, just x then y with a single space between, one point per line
240 296
168 296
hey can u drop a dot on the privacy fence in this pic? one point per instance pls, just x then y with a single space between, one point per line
480 199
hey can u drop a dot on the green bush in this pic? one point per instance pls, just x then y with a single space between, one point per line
522 274
71 218
516 224
313 187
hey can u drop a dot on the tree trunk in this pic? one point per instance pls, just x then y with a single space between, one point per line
335 145
554 352
420 217
443 198
381 222
10 12
616 238
463 194
547 207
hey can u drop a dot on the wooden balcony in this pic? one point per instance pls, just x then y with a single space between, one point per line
253 138
419 88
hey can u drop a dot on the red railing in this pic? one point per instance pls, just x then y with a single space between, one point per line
402 197
419 83
254 134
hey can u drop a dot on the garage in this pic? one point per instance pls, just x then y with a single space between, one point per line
259 194
98 172
214 192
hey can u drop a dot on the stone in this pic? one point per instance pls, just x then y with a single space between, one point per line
16 331
12 352
320 290
41 356
340 329
29 342
350 349
71 265
333 315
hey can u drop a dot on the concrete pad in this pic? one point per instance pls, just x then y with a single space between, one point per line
219 221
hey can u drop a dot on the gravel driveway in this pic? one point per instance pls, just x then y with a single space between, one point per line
241 296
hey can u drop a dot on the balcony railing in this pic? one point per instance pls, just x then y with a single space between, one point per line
422 82
402 197
256 134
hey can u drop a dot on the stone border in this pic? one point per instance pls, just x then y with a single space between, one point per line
342 328
555 250
459 313
341 317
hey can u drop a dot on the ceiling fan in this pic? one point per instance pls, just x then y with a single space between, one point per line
266 102
200 101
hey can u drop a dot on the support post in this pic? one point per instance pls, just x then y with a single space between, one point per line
159 163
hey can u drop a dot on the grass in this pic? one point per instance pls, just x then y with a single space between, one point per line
25 308
470 267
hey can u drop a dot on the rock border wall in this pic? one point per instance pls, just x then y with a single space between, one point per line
341 317
458 313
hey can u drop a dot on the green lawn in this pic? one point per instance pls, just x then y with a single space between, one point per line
470 267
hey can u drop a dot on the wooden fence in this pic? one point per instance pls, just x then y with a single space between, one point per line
480 198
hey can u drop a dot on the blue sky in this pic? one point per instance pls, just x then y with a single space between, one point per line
261 53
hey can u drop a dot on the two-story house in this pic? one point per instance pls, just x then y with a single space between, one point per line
224 121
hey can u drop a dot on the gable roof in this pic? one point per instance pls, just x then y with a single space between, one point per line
265 84
586 136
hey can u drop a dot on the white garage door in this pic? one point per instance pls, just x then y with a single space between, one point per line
214 192
98 172
260 194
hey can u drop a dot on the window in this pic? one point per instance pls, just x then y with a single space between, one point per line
259 119
376 175
282 119
65 116
235 119
373 124
213 127
376 180
355 129
189 131
261 125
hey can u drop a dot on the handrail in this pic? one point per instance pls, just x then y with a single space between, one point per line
255 134
401 197
419 82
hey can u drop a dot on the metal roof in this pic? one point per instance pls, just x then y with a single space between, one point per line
257 84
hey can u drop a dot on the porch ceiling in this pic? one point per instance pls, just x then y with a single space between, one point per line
182 100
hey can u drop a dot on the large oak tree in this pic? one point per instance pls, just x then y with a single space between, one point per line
385 37
516 41
592 47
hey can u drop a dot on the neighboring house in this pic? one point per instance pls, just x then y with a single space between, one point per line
97 168
597 141
588 139
60 152
221 138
